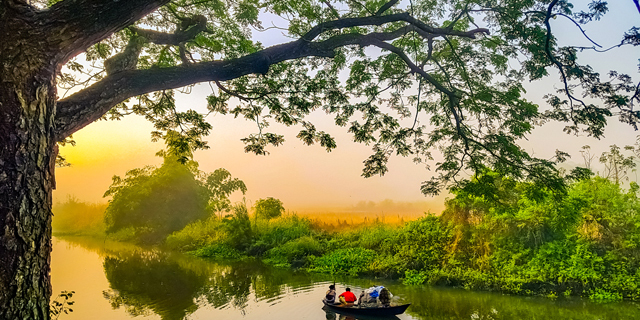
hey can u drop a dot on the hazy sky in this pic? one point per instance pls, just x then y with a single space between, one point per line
307 178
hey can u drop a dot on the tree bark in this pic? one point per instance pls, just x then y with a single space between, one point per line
33 47
27 111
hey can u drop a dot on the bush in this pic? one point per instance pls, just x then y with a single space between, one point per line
276 232
413 277
600 295
375 237
294 251
422 244
196 235
237 226
350 261
160 200
269 208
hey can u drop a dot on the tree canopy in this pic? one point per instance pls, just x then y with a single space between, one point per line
150 203
447 77
269 208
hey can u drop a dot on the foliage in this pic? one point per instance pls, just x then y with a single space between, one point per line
350 261
61 304
274 232
238 228
76 217
375 236
197 234
156 202
220 186
269 208
295 252
151 203
469 106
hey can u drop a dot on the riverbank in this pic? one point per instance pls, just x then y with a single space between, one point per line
517 240
119 281
494 235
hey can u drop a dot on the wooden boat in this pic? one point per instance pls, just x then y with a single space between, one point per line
375 311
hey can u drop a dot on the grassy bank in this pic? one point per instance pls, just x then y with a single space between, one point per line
509 237
495 234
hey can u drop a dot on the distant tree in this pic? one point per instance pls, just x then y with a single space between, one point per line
616 164
269 208
220 186
587 156
156 201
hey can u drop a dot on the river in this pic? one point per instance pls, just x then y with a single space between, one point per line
117 281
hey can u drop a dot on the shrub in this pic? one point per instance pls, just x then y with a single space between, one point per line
294 251
276 232
196 235
238 228
269 208
351 261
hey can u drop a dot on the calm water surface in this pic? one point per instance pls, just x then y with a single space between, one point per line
120 281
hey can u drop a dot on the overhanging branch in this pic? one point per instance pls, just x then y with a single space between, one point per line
88 105
380 20
188 32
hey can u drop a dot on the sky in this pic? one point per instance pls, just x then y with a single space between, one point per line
307 178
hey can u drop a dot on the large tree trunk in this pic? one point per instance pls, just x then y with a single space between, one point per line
34 44
27 111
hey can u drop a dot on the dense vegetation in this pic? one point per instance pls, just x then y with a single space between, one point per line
150 203
76 217
496 233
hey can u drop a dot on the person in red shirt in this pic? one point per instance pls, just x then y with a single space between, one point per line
348 297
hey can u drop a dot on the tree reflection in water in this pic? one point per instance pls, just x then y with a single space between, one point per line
151 282
175 286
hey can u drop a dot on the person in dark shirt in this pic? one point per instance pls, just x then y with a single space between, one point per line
330 297
385 297
348 297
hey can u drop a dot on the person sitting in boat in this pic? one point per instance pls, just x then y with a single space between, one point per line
385 297
330 297
347 297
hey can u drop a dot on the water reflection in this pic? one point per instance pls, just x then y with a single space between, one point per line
145 283
150 282
174 286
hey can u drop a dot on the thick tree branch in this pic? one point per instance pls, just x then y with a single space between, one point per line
380 20
71 33
186 33
90 104
386 7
